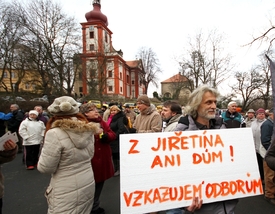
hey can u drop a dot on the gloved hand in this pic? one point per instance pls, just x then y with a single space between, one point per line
104 138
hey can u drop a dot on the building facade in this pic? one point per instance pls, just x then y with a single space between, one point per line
176 87
104 72
16 81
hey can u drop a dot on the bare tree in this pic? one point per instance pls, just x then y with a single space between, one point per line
221 60
247 86
267 36
71 67
11 33
192 69
151 67
53 39
224 100
265 90
206 61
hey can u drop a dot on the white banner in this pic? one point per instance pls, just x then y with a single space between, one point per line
160 171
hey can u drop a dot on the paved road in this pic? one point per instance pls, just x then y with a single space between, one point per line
24 193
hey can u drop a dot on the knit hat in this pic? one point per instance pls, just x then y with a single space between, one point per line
251 111
144 100
33 112
64 106
260 110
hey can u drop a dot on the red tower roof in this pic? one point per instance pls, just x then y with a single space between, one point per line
95 14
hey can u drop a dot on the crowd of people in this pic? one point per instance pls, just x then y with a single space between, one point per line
79 145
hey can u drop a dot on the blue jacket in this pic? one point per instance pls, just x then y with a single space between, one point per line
266 133
3 118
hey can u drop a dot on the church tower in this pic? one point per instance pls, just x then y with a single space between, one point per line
104 71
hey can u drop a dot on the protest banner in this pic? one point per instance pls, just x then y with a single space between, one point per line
160 171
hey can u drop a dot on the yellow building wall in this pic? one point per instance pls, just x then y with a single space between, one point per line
30 81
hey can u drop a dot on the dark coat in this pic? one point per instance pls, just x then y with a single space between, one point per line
102 161
270 156
118 123
266 133
233 120
2 127
15 121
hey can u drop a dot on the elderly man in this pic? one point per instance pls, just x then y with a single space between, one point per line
14 123
201 115
232 118
149 120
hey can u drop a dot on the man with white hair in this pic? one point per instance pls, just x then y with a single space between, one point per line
232 118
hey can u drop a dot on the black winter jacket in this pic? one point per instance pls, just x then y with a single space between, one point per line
15 121
117 125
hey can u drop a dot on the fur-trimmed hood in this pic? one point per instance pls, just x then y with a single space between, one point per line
78 131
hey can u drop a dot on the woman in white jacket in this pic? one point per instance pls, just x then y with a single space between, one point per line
256 130
32 131
66 155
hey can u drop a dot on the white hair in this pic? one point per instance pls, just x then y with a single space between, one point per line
230 103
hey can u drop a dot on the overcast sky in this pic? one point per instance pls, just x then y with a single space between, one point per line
165 26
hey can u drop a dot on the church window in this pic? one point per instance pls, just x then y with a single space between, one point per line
92 47
92 34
